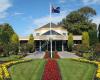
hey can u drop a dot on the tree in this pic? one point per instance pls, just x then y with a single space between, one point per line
70 41
15 39
79 21
14 43
6 32
87 12
93 37
99 33
31 43
24 48
85 39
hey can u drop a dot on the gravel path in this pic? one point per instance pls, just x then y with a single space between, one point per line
67 55
35 55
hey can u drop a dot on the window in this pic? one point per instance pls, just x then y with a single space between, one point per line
64 33
52 31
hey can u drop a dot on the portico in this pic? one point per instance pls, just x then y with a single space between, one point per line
59 38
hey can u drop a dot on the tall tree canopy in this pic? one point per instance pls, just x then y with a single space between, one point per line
87 11
80 20
15 39
6 32
99 33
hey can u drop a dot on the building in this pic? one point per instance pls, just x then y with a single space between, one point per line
59 38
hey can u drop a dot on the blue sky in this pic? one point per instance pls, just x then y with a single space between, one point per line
27 15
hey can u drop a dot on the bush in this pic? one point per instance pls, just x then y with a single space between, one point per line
88 55
30 48
23 48
97 49
85 39
14 48
93 37
70 41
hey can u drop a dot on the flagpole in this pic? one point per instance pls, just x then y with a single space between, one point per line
50 33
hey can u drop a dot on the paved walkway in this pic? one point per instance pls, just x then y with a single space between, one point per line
35 55
67 55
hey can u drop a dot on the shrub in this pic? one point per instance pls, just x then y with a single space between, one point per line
23 48
85 39
70 41
88 55
97 49
31 43
93 37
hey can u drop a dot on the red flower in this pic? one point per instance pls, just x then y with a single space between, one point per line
51 71
56 56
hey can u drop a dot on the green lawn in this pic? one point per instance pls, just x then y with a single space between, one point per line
11 57
28 71
73 70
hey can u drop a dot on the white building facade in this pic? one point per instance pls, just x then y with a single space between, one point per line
59 38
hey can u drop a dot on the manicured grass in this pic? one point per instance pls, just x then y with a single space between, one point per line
11 57
28 71
73 70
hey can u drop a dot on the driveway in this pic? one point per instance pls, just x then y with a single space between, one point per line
67 55
35 55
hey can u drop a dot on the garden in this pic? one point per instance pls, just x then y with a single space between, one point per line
14 65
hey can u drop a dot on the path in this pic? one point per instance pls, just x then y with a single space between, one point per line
35 55
67 55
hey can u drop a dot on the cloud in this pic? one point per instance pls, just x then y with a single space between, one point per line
3 15
88 2
4 6
62 1
18 13
46 19
96 19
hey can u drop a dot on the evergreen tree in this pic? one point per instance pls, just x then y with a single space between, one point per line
99 33
93 37
79 20
85 39
14 44
70 41
6 32
15 38
31 43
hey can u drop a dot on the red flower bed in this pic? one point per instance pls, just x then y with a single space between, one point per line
51 71
56 56
46 56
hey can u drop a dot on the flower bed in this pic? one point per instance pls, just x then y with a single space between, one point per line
51 71
4 74
92 62
56 56
46 56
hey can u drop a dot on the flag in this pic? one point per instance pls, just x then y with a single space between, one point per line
55 9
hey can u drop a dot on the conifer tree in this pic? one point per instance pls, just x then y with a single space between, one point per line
70 41
85 39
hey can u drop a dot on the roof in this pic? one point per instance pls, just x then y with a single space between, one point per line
52 31
54 37
48 25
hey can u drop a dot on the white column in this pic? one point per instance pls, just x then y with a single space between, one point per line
62 46
40 45
50 32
